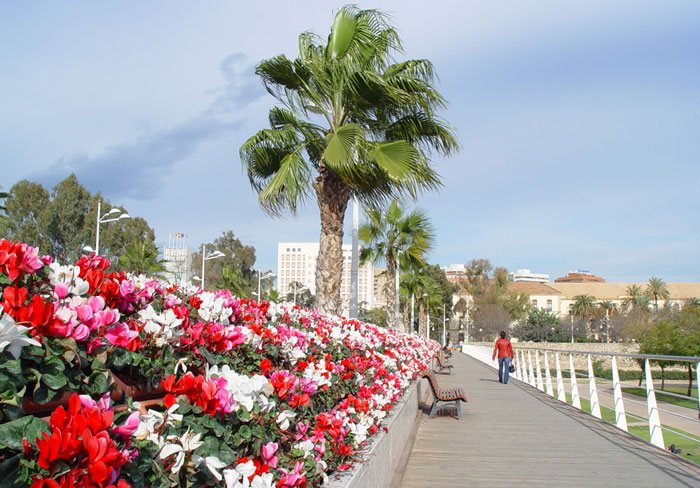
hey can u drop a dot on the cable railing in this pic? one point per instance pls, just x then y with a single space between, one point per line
541 368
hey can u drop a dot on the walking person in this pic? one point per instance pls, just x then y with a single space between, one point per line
504 349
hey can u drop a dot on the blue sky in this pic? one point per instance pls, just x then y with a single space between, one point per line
579 121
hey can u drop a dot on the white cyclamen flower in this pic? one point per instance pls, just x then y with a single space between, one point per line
213 464
284 417
13 337
188 442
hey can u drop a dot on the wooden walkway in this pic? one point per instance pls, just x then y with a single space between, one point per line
514 435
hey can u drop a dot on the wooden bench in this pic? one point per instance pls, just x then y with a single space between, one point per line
455 395
442 365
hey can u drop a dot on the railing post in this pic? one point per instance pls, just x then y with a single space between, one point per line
620 417
655 434
516 360
595 405
575 398
529 367
547 376
540 386
697 373
561 395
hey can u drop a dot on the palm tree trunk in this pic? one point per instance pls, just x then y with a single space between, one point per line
422 319
390 290
333 196
690 379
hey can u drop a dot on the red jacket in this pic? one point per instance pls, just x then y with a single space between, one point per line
504 349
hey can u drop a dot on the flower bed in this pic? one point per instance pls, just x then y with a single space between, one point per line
240 393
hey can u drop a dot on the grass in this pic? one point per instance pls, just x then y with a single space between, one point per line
690 450
681 402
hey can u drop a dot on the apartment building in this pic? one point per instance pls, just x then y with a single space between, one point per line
296 263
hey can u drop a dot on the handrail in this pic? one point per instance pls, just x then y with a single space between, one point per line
653 357
528 369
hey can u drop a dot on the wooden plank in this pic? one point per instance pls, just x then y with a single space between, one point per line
516 434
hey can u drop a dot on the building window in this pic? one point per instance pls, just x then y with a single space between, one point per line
534 303
549 305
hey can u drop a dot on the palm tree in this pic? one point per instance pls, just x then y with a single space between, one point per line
141 258
609 308
635 296
693 302
656 288
583 307
397 239
352 123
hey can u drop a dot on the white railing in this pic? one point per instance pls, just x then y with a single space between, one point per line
528 370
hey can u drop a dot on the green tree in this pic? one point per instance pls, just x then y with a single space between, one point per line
636 298
141 258
478 278
300 295
657 289
376 316
69 226
232 280
584 308
541 325
237 256
395 238
352 122
27 210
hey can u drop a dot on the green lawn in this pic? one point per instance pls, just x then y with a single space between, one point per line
681 402
689 449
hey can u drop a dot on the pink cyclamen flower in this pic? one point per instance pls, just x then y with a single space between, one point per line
121 335
127 429
61 290
268 453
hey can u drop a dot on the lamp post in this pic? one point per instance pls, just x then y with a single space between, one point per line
269 274
397 320
413 299
572 327
111 216
444 320
205 258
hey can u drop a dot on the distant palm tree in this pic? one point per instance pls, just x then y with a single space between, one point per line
635 296
141 258
657 289
584 307
388 232
693 302
351 122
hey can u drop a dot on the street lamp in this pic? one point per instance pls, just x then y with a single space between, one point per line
205 258
427 309
396 294
269 274
111 216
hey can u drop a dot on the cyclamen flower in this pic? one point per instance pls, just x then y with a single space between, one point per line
13 337
268 454
179 447
284 417
17 258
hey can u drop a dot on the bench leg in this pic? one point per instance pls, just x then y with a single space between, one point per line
458 404
433 408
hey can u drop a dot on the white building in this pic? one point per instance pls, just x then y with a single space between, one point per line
178 257
296 262
527 275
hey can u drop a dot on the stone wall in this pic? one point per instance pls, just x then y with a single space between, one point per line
378 465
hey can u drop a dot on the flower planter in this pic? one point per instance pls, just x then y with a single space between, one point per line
31 407
136 392
384 459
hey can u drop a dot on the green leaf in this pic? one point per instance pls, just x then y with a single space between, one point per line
54 381
340 147
397 158
12 433
9 471
342 33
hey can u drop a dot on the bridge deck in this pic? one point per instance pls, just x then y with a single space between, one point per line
514 435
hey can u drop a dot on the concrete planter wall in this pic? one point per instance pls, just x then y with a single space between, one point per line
384 456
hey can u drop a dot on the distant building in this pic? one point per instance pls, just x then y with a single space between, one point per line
296 263
580 276
177 257
527 275
542 296
455 273
379 288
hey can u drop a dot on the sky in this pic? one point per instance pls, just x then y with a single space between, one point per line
579 121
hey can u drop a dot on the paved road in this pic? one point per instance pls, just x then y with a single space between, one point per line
514 435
